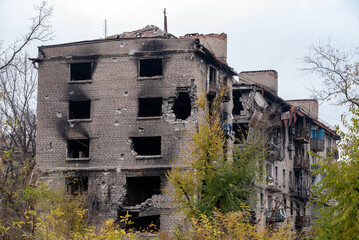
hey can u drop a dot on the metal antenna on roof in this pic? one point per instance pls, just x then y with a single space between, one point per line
165 21
105 28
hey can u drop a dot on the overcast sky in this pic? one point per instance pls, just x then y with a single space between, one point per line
262 34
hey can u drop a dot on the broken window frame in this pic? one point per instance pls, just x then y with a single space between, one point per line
87 118
141 75
157 150
72 80
141 106
86 157
139 189
182 110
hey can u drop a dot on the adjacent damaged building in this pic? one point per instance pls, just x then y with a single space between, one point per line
114 113
293 133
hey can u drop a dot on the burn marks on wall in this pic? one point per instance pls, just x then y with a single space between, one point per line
150 67
80 71
79 109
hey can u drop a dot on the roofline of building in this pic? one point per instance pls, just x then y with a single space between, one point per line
258 71
99 41
202 50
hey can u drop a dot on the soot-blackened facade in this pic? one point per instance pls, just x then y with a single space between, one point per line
114 113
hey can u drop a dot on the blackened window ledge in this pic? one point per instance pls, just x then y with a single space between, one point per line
80 81
77 159
143 157
149 118
150 78
79 120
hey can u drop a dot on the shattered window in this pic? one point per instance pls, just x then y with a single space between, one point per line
78 148
147 146
149 107
212 75
80 71
77 185
182 106
150 67
79 109
139 189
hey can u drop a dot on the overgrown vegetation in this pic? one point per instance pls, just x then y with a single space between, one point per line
214 187
337 194
215 178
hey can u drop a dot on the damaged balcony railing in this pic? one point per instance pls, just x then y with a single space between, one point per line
299 191
301 134
302 221
301 162
274 151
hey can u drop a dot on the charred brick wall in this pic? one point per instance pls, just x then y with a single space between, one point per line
114 123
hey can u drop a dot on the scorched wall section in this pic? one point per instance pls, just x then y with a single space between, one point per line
115 113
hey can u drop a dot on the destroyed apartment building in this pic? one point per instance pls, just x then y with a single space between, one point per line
114 113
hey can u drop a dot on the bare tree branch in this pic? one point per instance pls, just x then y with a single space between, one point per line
339 71
40 29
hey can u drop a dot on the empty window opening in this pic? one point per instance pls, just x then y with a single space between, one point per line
79 109
212 75
146 146
139 189
151 67
182 106
77 185
237 104
149 107
241 132
142 224
80 71
79 148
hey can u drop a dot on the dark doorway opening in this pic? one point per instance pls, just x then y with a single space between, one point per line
237 104
142 224
240 131
77 185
